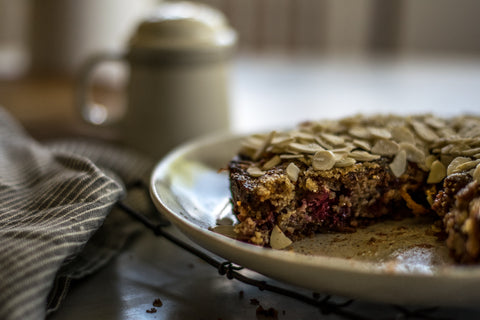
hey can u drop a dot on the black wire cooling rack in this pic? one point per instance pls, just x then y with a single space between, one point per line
324 303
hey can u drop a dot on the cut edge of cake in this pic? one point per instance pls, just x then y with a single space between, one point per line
336 175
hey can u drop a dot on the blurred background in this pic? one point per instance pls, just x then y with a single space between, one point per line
364 27
321 27
44 42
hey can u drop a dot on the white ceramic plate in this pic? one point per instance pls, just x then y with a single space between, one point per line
397 262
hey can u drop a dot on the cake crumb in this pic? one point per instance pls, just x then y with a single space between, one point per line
152 310
262 313
157 303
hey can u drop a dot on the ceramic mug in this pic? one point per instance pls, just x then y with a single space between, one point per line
178 83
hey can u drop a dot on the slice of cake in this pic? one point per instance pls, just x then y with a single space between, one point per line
334 176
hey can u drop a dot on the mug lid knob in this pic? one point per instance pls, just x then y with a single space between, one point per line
184 26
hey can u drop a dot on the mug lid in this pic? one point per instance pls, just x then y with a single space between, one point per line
184 26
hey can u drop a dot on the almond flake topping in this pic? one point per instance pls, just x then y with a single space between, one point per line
310 148
414 154
364 156
385 147
323 160
438 146
380 133
345 162
399 163
333 139
292 172
403 134
437 172
452 167
264 145
255 172
424 131
278 240
274 161
362 144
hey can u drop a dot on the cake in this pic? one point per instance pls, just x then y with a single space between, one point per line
338 175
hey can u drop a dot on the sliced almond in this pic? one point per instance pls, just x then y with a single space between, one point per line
446 132
466 166
363 156
455 149
343 150
310 148
265 144
403 134
301 135
323 160
362 144
470 152
281 141
274 161
360 132
379 133
435 122
278 240
423 131
452 167
255 172
345 162
323 143
399 163
385 147
292 172
291 156
437 172
414 154
333 139
429 160
253 142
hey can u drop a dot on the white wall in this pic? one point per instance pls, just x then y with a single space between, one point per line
444 26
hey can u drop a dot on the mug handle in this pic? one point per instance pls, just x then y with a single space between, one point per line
91 112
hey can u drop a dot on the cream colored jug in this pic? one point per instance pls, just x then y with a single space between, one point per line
178 83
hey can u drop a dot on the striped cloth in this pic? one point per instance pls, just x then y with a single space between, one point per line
54 203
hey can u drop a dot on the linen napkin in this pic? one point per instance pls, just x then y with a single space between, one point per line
57 216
